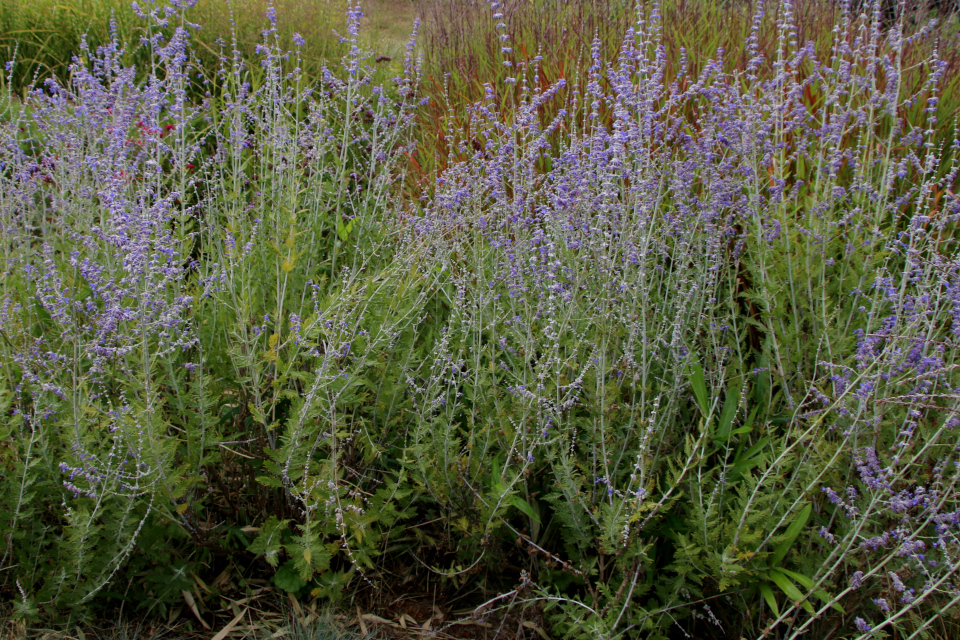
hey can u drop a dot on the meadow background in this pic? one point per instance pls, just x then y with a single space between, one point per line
565 320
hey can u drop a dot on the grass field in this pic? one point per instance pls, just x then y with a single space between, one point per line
46 34
559 320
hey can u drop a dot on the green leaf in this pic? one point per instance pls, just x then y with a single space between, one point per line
801 579
767 594
496 479
41 312
826 597
742 467
303 563
808 583
267 481
525 507
288 578
699 384
269 542
308 553
791 535
256 413
727 415
332 584
744 461
789 589
755 449
272 467
343 230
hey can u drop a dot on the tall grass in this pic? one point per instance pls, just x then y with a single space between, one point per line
464 51
44 35
666 347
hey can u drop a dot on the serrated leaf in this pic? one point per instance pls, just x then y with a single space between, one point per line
269 542
308 553
288 578
267 481
302 563
256 413
272 466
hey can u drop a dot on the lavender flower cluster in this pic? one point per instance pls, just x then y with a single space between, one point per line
777 232
142 219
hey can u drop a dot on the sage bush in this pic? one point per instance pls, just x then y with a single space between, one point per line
676 353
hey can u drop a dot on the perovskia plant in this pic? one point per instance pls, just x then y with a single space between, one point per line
683 330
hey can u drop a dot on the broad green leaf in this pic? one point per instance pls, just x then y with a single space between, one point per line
343 230
497 478
791 535
699 385
767 594
525 507
41 312
742 467
799 578
727 415
495 466
755 449
808 583
288 578
789 589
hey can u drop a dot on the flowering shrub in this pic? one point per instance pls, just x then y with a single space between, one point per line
684 354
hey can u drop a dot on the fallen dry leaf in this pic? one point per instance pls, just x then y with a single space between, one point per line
230 625
192 604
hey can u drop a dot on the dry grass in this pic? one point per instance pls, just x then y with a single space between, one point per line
388 24
403 620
